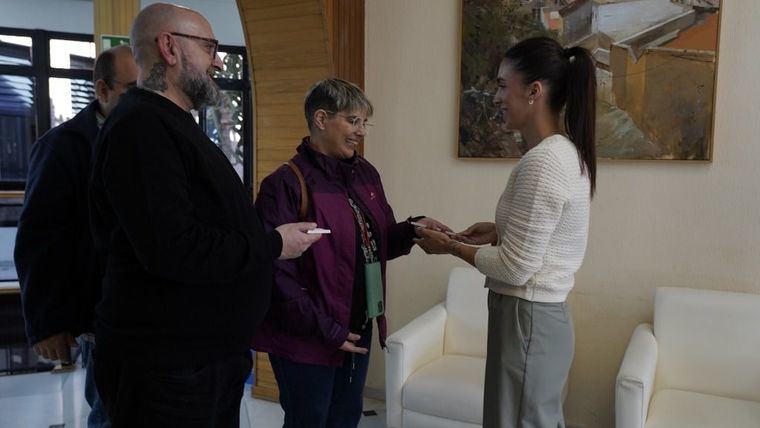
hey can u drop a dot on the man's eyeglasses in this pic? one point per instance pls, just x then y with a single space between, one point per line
111 83
355 121
211 42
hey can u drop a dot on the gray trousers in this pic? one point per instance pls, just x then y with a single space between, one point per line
530 349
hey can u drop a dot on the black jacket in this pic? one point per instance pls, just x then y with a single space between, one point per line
57 267
189 267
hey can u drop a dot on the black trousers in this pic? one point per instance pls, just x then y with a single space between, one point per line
204 396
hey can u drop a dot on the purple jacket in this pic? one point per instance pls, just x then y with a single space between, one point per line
309 315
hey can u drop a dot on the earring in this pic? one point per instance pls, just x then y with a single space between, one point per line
530 102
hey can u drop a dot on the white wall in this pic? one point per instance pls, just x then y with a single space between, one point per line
652 224
76 16
72 16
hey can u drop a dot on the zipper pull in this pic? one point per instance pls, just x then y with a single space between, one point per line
353 367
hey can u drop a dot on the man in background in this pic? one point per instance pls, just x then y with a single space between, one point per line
189 265
58 269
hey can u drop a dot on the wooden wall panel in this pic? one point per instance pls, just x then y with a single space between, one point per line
292 44
287 49
345 20
113 17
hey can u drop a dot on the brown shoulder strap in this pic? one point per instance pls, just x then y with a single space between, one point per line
304 191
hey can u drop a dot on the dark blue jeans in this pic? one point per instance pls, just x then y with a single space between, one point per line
320 396
205 396
97 417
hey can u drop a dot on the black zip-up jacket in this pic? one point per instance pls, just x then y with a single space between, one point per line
57 266
188 265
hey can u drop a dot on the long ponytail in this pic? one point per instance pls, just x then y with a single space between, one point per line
571 77
580 110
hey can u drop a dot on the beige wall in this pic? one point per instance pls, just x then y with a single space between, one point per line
652 224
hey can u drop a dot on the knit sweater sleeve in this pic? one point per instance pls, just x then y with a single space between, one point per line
527 215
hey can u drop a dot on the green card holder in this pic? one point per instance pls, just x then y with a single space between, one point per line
373 278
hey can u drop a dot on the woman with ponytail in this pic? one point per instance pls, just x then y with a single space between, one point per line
538 240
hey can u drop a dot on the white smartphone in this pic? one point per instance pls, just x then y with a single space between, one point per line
318 231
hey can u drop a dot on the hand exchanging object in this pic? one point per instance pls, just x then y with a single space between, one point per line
295 240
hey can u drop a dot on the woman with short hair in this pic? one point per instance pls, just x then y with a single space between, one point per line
319 326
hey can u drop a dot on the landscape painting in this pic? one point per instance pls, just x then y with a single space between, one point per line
655 64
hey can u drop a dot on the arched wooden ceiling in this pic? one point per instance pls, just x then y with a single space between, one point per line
292 44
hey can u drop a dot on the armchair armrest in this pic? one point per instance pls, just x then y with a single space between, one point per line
411 347
635 380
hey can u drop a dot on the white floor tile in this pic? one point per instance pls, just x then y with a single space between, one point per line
44 399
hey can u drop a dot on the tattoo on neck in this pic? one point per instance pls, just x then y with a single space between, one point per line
156 78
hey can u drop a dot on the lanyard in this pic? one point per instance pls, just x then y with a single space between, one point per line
369 247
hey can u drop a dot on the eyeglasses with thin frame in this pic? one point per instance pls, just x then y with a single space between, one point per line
355 121
213 42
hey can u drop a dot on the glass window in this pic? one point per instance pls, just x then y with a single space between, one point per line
7 241
67 98
64 74
72 54
233 66
224 126
18 127
15 50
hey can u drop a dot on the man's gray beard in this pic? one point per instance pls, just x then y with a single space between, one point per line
199 88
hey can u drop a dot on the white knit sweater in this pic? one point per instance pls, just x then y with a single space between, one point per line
542 223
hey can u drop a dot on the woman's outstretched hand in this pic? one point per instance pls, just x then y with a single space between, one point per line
433 242
432 224
478 234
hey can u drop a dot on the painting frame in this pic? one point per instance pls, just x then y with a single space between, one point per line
627 131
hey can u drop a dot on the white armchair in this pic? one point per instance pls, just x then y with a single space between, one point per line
435 365
699 367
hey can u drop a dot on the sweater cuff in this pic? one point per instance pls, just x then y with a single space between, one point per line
482 256
274 242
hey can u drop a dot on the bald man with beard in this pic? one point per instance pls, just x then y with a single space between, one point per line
189 265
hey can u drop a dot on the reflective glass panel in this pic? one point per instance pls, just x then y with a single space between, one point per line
67 98
224 126
72 54
233 66
7 241
18 126
15 50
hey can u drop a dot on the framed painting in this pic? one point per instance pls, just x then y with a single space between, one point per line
655 63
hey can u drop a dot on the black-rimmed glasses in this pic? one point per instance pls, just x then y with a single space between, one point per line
213 42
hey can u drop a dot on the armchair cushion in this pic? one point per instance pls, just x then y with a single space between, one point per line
467 310
422 420
674 408
450 387
708 342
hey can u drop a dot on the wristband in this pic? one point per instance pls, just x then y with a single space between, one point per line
454 247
